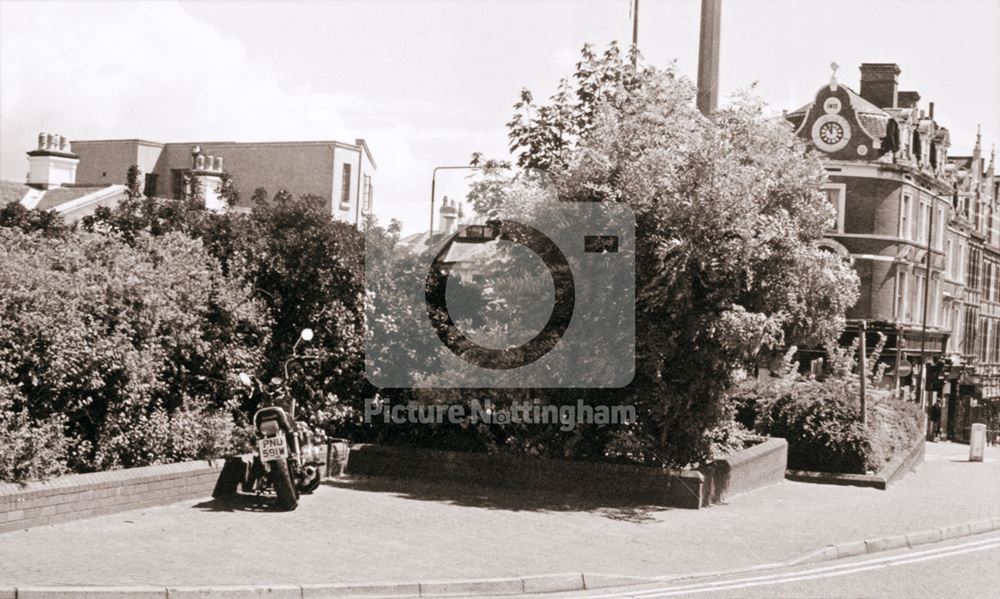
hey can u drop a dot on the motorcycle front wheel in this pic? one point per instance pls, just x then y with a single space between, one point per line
283 487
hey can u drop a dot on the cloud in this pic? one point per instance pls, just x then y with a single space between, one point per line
151 70
105 70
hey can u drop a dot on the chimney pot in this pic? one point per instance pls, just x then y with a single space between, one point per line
908 99
41 140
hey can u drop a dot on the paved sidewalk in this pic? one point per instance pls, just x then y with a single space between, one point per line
383 530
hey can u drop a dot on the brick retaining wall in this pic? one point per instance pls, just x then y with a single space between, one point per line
757 466
79 496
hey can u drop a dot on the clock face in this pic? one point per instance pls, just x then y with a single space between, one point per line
831 132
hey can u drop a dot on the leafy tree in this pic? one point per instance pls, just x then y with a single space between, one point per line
193 191
227 190
47 222
728 211
309 271
134 345
32 448
156 216
133 183
304 267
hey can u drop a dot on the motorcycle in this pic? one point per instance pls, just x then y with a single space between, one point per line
289 456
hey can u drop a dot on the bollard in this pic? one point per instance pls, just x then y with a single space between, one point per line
977 442
337 452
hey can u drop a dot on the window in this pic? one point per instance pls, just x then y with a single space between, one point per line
976 267
939 232
345 187
982 340
835 193
988 282
990 352
994 290
178 183
954 260
904 216
956 339
935 303
960 274
949 255
149 188
918 302
369 193
902 305
925 221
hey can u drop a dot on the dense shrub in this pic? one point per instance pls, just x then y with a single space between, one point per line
117 355
305 269
822 423
32 448
727 210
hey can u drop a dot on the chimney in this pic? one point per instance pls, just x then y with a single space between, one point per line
448 217
52 163
208 172
879 83
908 99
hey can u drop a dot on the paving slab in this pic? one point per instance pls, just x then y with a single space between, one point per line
370 531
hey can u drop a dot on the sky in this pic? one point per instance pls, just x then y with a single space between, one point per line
428 82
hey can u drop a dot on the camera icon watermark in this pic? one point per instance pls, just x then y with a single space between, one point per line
543 297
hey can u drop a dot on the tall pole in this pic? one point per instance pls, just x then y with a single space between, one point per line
708 56
921 382
430 236
863 363
635 31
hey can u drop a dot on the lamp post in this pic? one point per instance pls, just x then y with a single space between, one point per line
921 382
863 366
430 237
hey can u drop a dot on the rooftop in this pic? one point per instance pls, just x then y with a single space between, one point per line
11 191
60 195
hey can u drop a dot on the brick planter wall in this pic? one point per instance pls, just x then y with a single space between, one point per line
85 495
757 466
754 467
900 465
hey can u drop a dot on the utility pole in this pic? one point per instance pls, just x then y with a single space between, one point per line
863 367
635 31
708 56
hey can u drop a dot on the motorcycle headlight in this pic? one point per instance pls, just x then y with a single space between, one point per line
269 428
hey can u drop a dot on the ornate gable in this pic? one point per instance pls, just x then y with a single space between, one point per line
842 124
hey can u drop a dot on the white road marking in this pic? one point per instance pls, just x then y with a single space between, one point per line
823 572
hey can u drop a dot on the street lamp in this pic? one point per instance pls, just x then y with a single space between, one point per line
430 237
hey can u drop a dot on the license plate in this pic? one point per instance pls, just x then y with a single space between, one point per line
272 448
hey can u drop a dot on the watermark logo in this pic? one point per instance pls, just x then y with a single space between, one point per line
565 416
542 296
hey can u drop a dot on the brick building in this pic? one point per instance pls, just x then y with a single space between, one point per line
920 227
342 173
